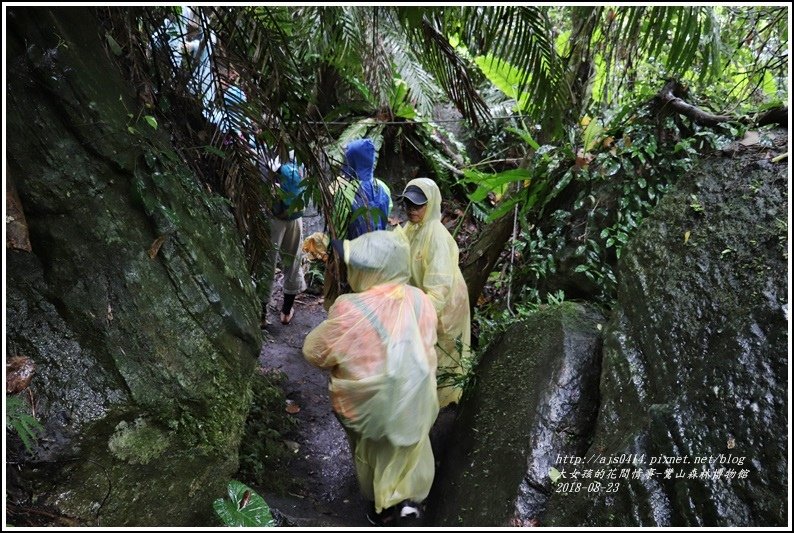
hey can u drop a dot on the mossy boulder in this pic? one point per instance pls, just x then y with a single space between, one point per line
135 302
694 384
536 397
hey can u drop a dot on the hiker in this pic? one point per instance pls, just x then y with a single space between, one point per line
378 343
435 270
357 192
286 231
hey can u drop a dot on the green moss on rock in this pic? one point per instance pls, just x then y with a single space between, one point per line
139 442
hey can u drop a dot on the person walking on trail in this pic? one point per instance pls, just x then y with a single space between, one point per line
435 270
360 194
286 231
361 203
378 343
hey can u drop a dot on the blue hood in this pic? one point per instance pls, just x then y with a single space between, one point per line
360 159
370 193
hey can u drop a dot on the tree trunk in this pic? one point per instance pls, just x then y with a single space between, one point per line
482 256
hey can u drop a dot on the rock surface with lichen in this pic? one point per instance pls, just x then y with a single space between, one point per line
134 302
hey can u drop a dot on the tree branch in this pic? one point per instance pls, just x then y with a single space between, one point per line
777 115
669 101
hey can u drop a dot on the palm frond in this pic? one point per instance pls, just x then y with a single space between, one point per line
268 48
423 88
424 28
376 60
520 36
682 39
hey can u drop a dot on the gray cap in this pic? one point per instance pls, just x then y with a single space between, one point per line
414 194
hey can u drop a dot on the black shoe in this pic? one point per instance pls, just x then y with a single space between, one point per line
385 518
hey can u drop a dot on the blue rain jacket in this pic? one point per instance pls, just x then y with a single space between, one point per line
371 193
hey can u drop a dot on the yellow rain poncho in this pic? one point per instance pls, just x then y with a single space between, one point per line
435 270
379 344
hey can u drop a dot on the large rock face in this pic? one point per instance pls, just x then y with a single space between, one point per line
694 382
536 397
135 303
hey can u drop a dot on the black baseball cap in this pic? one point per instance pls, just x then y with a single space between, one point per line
414 194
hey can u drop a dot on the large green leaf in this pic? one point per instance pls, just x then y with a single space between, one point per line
487 183
400 103
505 76
243 508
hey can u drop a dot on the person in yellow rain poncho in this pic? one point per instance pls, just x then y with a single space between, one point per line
379 344
435 270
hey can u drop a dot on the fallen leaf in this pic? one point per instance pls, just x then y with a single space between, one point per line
750 138
292 407
155 247
19 372
246 499
17 237
583 159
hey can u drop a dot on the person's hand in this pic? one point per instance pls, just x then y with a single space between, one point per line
316 246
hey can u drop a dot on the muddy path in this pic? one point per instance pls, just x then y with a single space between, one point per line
321 466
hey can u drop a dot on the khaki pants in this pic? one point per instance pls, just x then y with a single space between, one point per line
287 236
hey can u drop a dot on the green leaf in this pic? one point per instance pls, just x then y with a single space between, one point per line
524 134
504 76
114 46
400 103
590 137
151 121
243 508
500 73
490 182
215 151
505 207
19 420
610 167
554 474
